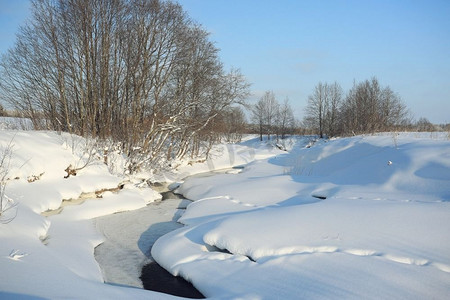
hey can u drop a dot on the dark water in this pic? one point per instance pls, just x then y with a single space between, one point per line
155 278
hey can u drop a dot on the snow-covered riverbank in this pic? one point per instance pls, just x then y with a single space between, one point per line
362 217
53 257
353 218
129 237
47 248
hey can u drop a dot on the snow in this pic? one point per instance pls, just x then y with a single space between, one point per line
52 257
332 221
130 236
360 217
225 156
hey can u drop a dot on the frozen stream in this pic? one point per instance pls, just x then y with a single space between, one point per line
130 235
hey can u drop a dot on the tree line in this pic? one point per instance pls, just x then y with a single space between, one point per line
366 108
139 72
144 75
272 118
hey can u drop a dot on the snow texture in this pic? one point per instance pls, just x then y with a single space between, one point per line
334 220
353 218
52 257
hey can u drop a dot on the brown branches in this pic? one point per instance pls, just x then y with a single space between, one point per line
366 108
139 72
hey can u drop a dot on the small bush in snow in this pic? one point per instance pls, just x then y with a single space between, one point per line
8 208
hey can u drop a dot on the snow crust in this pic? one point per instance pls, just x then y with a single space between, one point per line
356 218
53 257
130 236
47 250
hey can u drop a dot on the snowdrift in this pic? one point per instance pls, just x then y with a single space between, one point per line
361 217
52 257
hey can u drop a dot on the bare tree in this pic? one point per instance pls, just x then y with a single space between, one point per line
332 109
258 117
264 113
232 124
140 72
423 124
369 108
285 119
316 108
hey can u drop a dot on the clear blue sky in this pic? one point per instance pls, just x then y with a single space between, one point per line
288 46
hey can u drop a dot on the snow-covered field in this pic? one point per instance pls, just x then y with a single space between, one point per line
361 217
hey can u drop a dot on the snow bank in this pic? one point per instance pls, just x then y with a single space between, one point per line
361 217
52 257
225 156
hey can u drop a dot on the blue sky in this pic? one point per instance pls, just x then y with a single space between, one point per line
288 46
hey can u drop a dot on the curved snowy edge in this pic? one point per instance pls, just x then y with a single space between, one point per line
240 257
380 231
53 257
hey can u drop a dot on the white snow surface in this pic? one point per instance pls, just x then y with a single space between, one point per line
130 236
53 257
335 220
